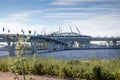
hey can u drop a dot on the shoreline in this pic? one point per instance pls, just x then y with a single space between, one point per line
4 49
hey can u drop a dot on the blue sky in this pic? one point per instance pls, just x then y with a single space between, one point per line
92 17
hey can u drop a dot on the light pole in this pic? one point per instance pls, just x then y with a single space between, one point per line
8 31
22 31
34 33
29 31
23 34
3 30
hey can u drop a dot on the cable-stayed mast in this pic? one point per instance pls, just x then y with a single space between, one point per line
71 29
78 30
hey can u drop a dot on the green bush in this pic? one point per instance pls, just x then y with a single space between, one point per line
81 69
4 64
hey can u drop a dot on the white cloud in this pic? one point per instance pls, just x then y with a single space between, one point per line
16 28
73 2
25 13
21 16
88 9
94 24
104 25
92 8
69 15
83 12
100 25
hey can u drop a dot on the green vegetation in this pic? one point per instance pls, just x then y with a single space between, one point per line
94 69
18 63
83 69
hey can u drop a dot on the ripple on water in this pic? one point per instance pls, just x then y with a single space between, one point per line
78 54
83 54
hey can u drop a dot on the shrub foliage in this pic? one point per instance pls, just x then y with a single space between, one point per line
83 69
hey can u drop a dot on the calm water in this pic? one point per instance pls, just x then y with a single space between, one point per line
2 53
78 54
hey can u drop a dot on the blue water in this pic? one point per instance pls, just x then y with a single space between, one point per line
83 54
78 54
3 53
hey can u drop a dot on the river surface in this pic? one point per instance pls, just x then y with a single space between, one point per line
78 54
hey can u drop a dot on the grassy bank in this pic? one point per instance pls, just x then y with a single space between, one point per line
85 69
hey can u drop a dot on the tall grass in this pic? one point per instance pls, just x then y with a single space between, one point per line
84 69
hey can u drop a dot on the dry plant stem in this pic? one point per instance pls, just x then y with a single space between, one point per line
23 73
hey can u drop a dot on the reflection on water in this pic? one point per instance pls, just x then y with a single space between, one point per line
78 54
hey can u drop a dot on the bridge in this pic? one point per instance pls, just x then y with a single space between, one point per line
79 38
52 44
82 39
56 41
88 39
